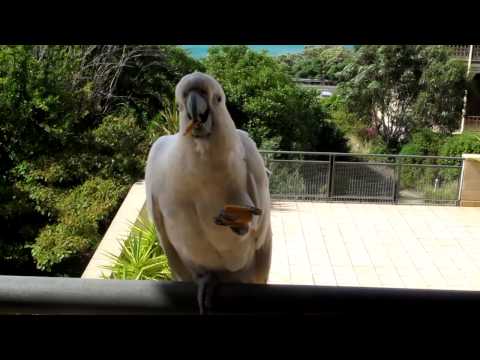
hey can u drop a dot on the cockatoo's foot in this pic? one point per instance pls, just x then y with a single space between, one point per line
206 288
237 217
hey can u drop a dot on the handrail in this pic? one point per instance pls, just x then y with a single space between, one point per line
359 154
316 81
47 295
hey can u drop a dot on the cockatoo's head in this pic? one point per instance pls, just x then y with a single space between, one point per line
200 99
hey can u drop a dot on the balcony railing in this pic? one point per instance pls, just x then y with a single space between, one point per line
379 178
24 295
319 82
463 51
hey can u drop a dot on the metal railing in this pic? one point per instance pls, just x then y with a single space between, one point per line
380 178
460 50
472 123
26 295
315 81
463 51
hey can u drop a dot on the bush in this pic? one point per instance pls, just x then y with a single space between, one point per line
286 180
456 145
444 192
424 142
461 144
81 214
428 143
122 145
378 146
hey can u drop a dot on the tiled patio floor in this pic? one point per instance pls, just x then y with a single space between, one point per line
402 246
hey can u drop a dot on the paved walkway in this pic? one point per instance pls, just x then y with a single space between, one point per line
400 246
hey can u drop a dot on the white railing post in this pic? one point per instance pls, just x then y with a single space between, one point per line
464 111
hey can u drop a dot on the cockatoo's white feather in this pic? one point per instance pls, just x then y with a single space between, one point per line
190 179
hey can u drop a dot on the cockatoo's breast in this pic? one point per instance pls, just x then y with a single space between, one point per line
190 205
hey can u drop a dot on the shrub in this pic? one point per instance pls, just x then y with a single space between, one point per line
457 145
286 180
378 146
122 146
461 144
424 142
444 192
81 213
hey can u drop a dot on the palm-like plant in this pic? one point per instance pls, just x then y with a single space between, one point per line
141 258
166 122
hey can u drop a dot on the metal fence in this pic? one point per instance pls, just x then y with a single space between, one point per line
463 51
364 177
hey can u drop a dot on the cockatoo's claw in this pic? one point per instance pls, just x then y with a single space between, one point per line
255 210
206 289
239 230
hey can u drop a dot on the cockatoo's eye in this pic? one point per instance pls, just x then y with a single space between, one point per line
219 98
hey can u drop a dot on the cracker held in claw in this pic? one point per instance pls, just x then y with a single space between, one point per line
237 215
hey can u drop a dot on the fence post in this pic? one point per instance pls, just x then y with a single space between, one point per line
470 181
331 175
398 171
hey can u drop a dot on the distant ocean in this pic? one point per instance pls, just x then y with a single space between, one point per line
199 51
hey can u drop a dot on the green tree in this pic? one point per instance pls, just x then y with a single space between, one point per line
264 101
324 62
140 76
443 84
74 135
400 88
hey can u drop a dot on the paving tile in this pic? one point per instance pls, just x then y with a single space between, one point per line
345 276
349 244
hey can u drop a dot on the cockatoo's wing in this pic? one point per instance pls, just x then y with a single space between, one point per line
154 167
258 190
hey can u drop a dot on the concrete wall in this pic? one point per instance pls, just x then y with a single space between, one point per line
470 187
132 208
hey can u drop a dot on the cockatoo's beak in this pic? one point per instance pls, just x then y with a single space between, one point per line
197 111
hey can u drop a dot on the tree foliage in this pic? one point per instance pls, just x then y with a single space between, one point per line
323 62
264 101
400 88
457 145
74 134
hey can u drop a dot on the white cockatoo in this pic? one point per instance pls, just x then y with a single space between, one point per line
208 195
